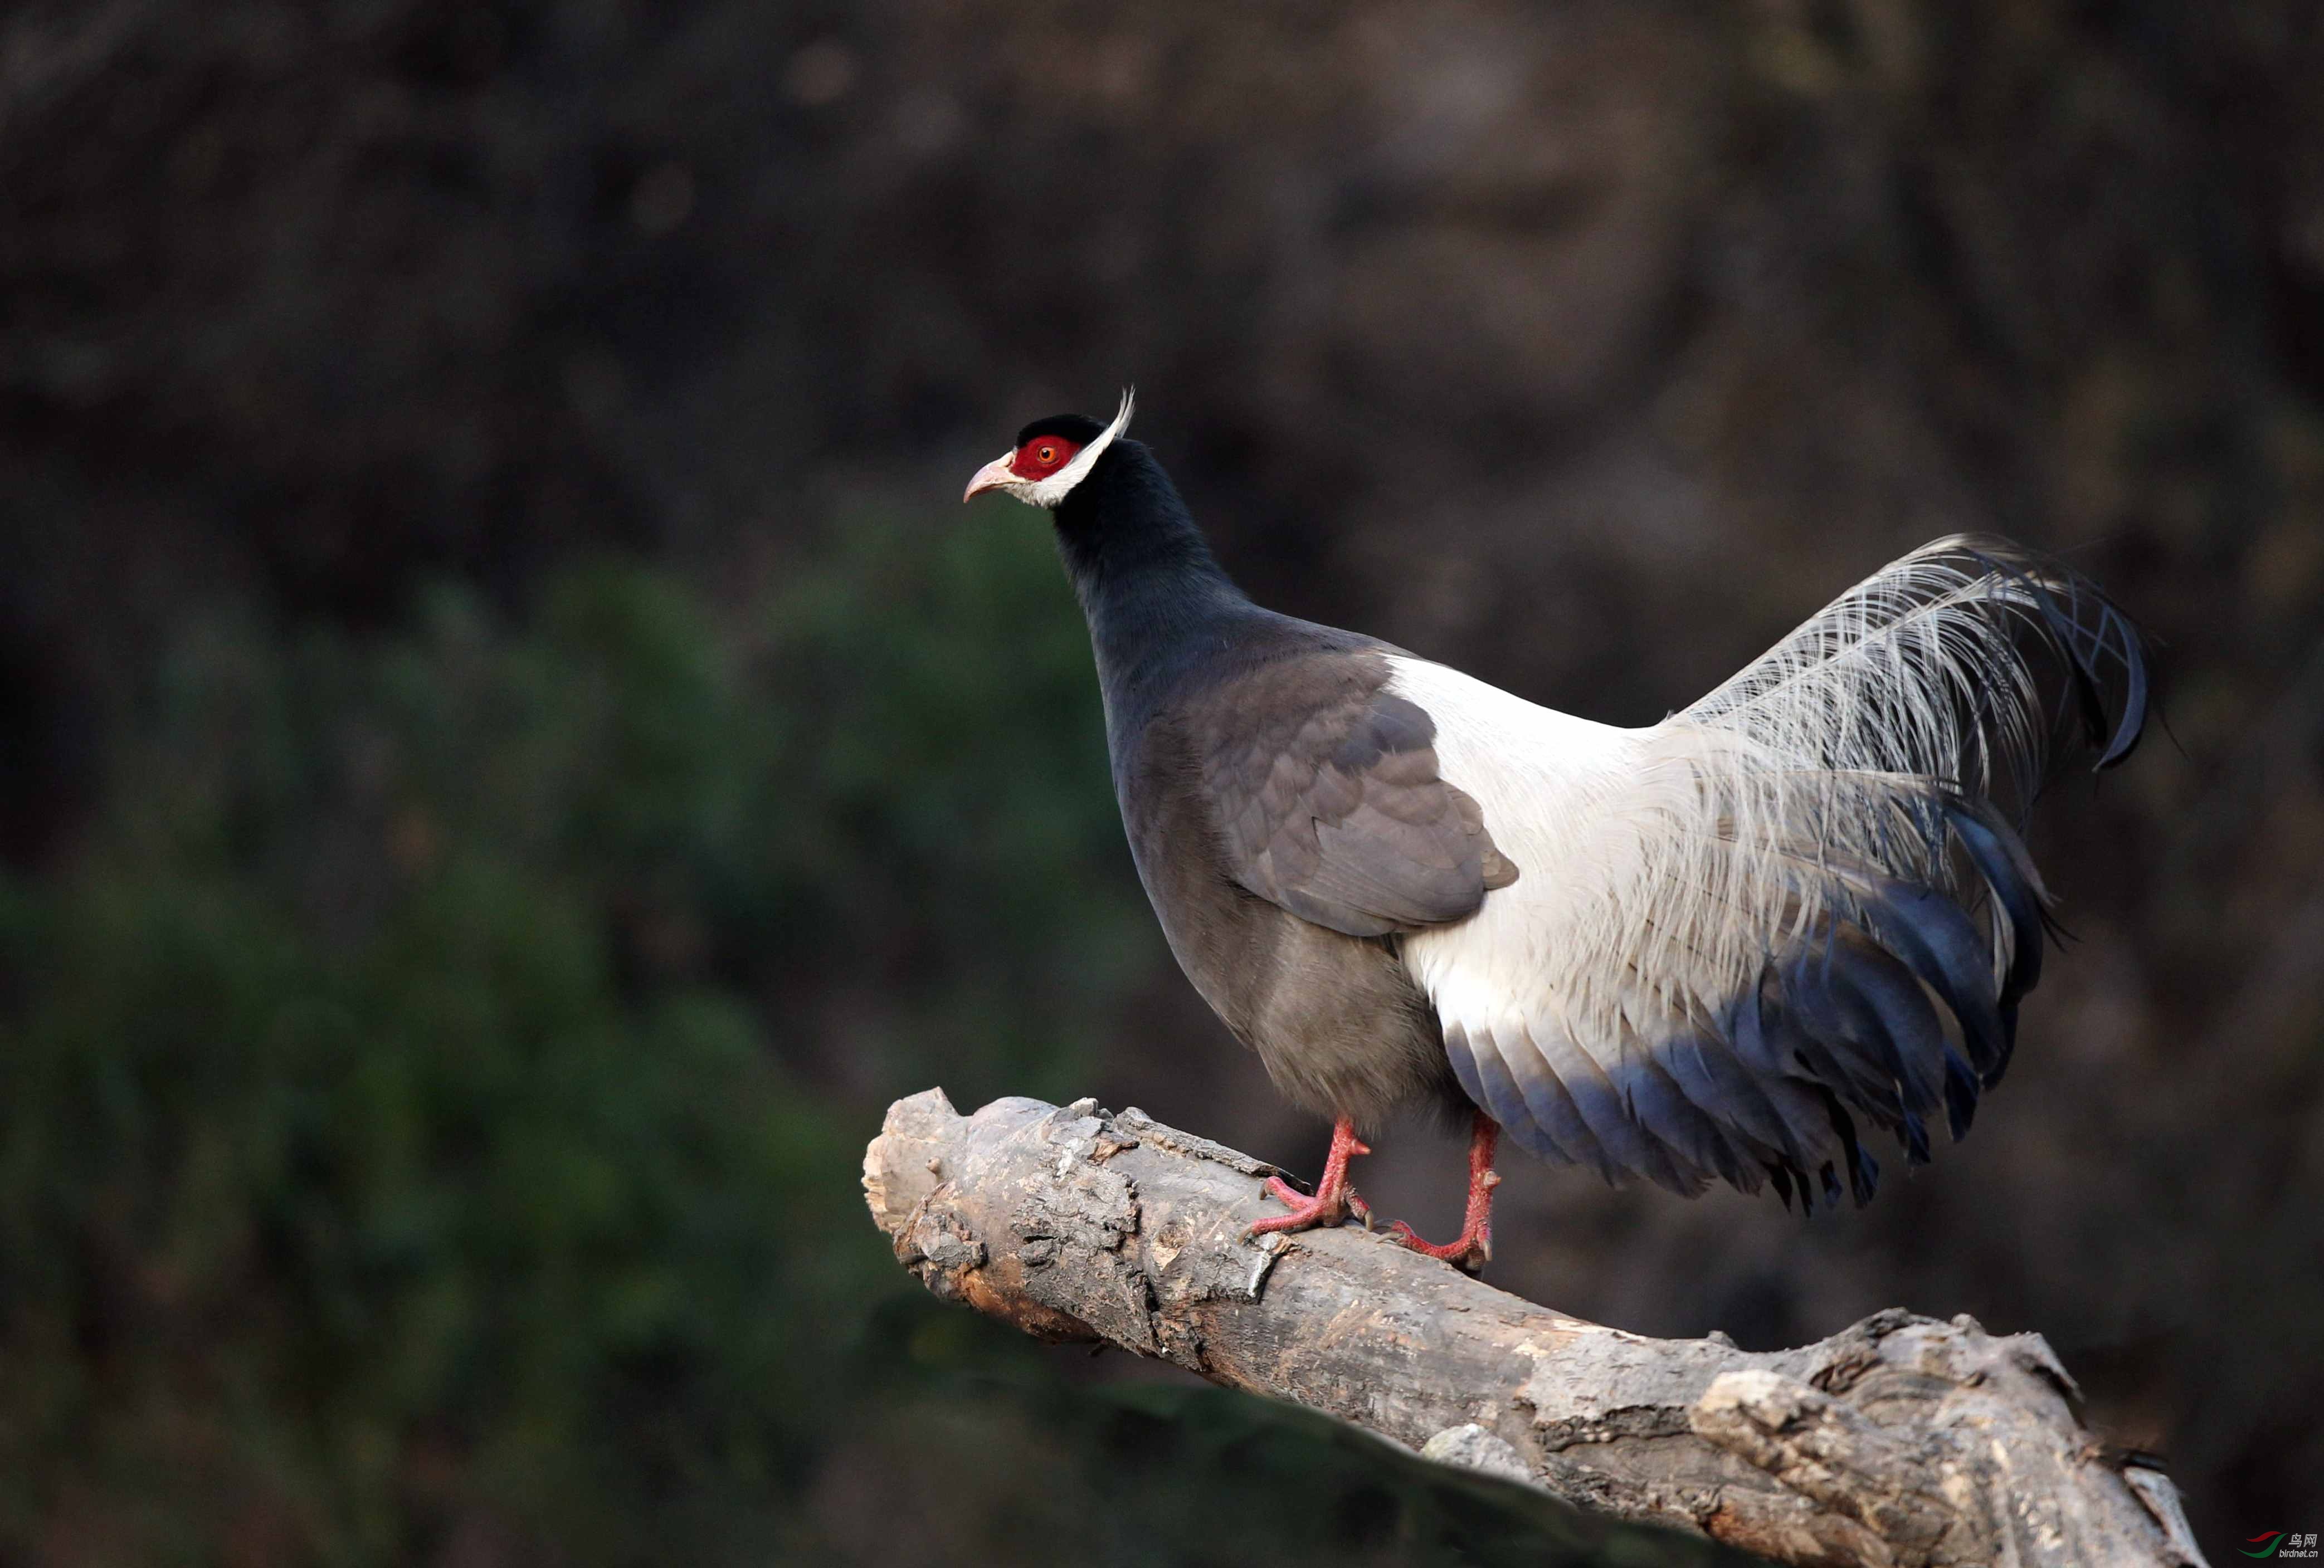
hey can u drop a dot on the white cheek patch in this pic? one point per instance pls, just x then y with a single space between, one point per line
1047 493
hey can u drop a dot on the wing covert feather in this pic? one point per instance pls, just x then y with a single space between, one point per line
1325 789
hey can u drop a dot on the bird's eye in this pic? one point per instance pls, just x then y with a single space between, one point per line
1042 457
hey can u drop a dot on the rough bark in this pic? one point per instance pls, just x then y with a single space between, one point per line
1899 1441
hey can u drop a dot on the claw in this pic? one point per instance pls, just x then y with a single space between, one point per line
1308 1212
1471 1253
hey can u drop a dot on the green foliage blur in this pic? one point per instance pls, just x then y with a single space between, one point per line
409 1150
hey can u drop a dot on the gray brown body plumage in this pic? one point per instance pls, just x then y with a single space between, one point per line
1335 1017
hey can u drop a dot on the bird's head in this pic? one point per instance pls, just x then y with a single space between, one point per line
1051 457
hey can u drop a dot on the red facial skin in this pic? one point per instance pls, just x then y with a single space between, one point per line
1042 457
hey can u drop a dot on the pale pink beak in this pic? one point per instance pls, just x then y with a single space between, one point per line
991 476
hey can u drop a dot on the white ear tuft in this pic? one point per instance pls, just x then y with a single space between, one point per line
1050 491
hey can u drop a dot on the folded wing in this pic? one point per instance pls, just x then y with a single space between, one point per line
1328 800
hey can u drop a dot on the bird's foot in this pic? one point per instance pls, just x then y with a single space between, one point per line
1335 1202
1474 1248
1471 1253
1325 1208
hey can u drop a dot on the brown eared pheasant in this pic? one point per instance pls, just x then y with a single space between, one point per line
1715 947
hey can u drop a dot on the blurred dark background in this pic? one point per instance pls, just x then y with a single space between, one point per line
514 753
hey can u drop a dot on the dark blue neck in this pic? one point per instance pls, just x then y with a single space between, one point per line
1152 591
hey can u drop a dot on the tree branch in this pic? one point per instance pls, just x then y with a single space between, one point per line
1900 1440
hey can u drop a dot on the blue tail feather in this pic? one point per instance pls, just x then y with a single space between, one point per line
1883 999
1960 1096
2000 858
1485 1079
1607 1112
1692 1132
1708 1074
1813 1021
1938 942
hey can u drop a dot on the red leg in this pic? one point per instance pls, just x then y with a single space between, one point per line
1334 1199
1475 1247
